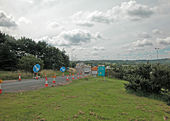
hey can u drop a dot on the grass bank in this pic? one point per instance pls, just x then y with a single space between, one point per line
13 75
86 99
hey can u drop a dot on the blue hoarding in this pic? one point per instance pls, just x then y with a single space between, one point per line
101 70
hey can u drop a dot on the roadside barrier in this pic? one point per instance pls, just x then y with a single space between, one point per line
67 78
0 87
19 77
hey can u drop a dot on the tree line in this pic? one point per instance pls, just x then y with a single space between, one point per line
14 51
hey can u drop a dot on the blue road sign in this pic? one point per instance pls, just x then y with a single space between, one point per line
36 68
62 69
101 70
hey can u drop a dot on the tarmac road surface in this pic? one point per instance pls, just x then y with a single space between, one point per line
30 84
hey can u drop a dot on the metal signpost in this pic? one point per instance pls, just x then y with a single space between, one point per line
62 69
101 71
36 68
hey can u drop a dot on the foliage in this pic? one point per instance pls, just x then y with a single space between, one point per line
11 50
144 77
27 62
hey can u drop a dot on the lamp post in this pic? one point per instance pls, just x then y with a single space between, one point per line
157 52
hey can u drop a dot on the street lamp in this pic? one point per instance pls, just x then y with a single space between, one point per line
157 52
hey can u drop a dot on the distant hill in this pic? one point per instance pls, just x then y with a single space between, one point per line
129 62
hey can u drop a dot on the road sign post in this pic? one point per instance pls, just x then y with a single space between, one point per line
36 68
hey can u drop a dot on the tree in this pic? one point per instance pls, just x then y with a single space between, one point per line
27 62
8 59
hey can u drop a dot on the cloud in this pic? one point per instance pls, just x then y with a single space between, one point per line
156 32
85 23
165 41
6 20
54 24
98 48
69 38
126 11
144 35
142 43
23 20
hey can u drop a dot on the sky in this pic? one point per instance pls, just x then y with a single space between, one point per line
92 29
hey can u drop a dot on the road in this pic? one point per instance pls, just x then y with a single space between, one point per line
30 84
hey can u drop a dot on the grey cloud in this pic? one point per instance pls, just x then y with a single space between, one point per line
156 31
6 20
126 11
70 38
98 48
142 43
85 23
165 42
138 11
144 35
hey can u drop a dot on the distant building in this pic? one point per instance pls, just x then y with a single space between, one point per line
94 71
83 68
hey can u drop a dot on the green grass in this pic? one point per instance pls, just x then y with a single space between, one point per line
82 100
13 75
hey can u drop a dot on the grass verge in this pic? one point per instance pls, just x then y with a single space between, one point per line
86 99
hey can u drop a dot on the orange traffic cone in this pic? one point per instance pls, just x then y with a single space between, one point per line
54 79
72 76
37 76
0 87
19 77
77 75
80 75
46 83
67 78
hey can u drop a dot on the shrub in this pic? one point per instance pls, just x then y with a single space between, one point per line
27 62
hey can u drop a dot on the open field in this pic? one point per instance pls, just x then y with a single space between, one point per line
10 75
86 99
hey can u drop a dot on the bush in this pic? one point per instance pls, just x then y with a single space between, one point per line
160 76
27 62
149 79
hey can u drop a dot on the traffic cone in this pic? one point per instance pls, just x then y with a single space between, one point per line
67 78
0 87
37 76
77 75
19 77
72 76
54 79
46 83
80 75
